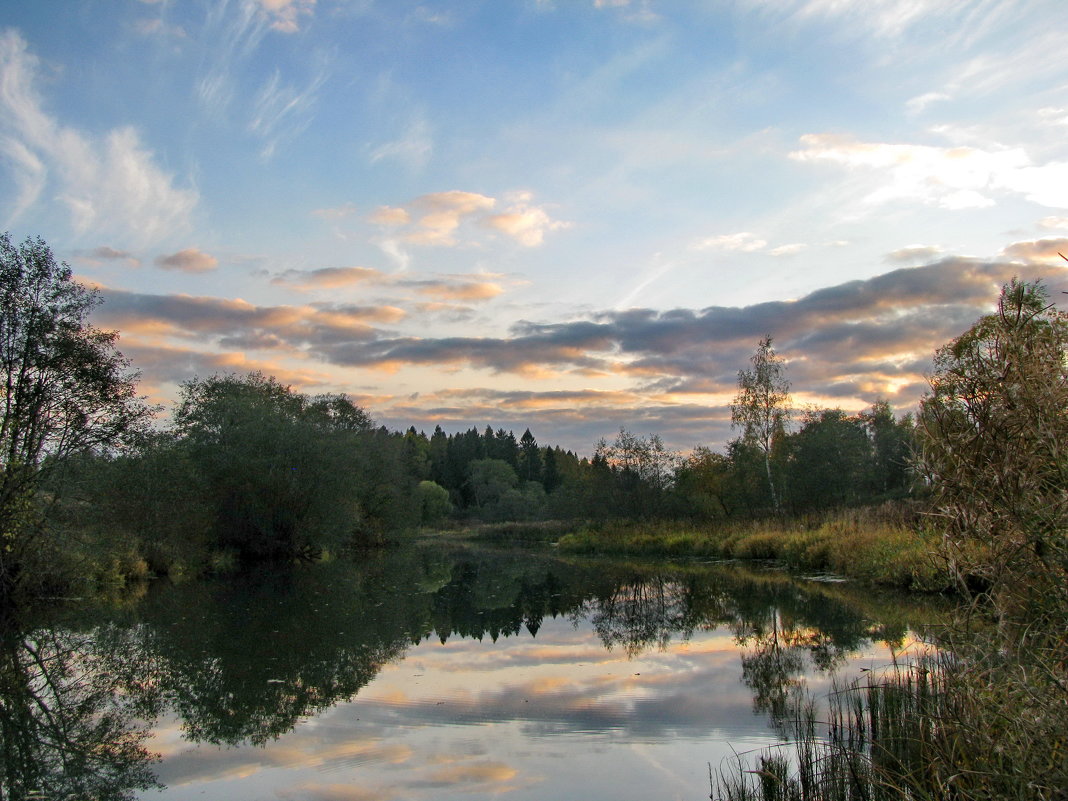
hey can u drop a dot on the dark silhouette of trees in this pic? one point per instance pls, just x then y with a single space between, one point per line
66 391
280 470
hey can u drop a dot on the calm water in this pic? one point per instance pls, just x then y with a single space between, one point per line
429 673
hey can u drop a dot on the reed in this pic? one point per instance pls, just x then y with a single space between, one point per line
974 728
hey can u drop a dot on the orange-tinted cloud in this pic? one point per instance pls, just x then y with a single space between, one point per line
1041 251
436 219
326 277
465 290
668 372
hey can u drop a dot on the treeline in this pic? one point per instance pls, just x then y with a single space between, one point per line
249 469
93 485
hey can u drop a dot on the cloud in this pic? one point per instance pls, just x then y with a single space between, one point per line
327 278
914 253
239 325
189 260
168 364
918 105
790 249
436 219
388 215
742 242
526 224
286 15
464 290
281 112
413 148
670 372
440 214
1053 223
883 18
109 184
952 178
105 253
1043 250
850 344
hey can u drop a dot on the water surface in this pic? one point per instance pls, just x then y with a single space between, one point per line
429 673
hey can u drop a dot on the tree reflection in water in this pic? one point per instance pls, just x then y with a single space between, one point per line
73 712
241 660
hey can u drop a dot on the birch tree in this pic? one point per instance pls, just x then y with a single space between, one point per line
762 406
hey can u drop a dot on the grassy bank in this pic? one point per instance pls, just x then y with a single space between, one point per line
871 546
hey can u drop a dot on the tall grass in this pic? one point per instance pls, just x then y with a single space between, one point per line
882 546
978 726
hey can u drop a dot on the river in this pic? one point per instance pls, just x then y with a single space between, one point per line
432 672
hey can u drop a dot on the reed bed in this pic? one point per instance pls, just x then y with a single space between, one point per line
942 727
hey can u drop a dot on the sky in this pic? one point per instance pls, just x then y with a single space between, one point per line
567 215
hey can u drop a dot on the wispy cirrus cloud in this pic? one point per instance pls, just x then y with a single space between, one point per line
286 15
109 184
746 242
281 111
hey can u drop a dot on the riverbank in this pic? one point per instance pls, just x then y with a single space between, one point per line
866 545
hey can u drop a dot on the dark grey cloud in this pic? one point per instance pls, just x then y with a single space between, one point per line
855 342
235 323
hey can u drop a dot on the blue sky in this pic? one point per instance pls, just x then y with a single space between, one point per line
572 215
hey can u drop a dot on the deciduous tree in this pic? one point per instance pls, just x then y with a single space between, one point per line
993 435
762 406
66 389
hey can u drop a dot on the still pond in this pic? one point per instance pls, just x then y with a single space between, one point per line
429 673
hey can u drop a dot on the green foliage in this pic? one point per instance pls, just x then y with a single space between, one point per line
66 391
701 483
489 479
434 503
942 727
278 468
